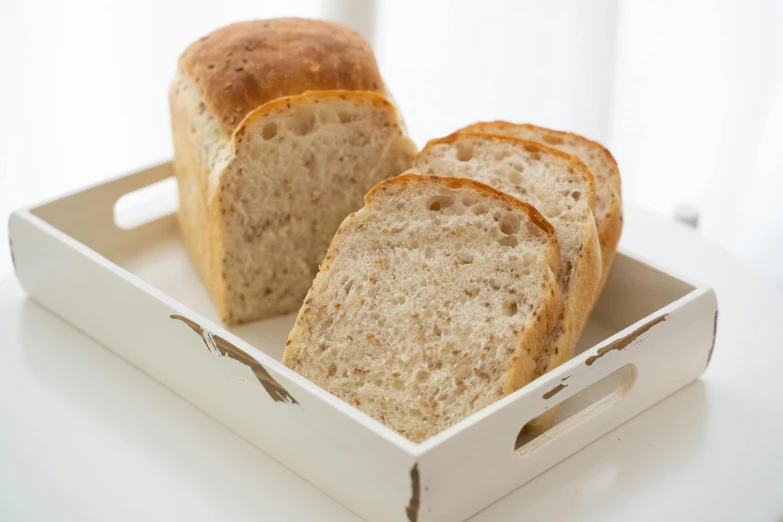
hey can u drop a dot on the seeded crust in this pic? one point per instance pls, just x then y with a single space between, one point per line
244 65
433 301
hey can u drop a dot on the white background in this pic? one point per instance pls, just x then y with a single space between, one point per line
687 95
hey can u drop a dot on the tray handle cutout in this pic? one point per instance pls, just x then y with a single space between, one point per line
579 406
92 215
144 205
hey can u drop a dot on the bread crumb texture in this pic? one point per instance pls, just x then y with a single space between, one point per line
297 172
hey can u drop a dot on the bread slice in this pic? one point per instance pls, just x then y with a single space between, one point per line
259 221
280 127
609 206
563 190
433 302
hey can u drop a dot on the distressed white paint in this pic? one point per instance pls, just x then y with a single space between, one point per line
71 258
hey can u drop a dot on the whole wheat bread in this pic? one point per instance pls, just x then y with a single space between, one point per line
609 206
433 302
563 190
267 171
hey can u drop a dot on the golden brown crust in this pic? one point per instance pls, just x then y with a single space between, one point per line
530 146
244 65
454 183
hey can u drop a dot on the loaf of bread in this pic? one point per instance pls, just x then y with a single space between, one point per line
563 190
280 127
433 301
609 206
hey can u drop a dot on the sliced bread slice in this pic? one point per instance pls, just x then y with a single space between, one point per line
609 205
563 190
259 220
433 302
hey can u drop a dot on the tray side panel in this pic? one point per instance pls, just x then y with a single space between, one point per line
479 464
327 443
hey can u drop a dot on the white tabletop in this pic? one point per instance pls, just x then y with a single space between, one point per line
85 436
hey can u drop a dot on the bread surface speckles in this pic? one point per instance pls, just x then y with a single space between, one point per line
562 189
608 210
432 302
280 127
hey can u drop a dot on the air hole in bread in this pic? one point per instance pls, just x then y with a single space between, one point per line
494 284
302 122
469 201
481 208
518 167
509 241
429 251
576 195
501 155
465 258
270 130
398 384
345 117
509 223
496 216
514 177
332 370
422 376
464 151
439 202
510 307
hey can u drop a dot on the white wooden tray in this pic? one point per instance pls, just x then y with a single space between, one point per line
134 290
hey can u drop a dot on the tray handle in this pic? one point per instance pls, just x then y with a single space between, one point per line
96 207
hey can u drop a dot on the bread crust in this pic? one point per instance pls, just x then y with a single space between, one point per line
609 222
244 65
